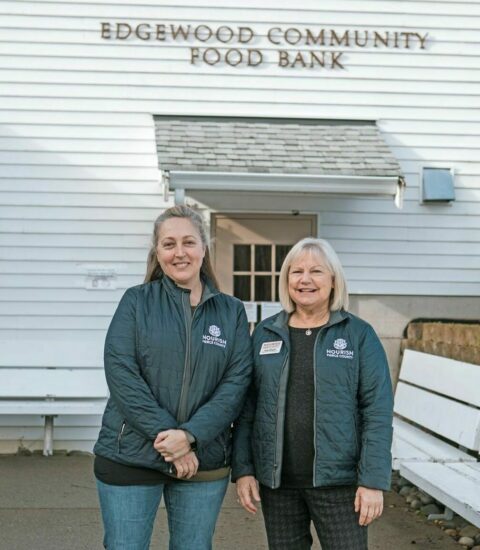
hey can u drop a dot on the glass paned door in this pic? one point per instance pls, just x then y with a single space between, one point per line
249 250
256 268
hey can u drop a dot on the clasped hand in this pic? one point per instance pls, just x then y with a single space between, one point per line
174 446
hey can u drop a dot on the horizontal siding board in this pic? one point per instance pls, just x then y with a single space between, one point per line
56 158
40 281
98 82
57 309
121 240
57 170
398 221
78 146
299 107
145 85
60 295
23 322
401 234
75 227
469 99
50 14
401 274
69 254
421 248
88 214
52 267
307 6
96 117
87 187
51 132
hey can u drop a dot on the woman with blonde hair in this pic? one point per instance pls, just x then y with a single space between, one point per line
313 441
178 364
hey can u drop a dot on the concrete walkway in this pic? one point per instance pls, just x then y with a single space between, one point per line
51 504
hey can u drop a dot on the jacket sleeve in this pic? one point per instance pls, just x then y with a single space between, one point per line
128 389
242 456
376 411
224 406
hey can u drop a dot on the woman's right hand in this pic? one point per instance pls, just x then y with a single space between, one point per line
247 492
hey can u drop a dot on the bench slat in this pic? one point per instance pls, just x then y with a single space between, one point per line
53 407
31 383
52 353
442 375
453 420
412 444
453 485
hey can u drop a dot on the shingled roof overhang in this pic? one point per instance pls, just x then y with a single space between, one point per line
278 155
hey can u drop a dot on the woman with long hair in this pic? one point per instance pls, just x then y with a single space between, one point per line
178 364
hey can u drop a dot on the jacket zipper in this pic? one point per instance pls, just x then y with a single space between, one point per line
182 404
119 438
280 420
315 408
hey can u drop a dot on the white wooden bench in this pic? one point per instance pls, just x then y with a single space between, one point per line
52 378
437 431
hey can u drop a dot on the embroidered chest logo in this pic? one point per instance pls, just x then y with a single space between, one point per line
340 350
213 338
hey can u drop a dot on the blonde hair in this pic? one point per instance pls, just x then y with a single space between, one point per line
322 248
154 270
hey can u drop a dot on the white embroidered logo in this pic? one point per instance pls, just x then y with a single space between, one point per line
340 343
213 337
340 351
214 331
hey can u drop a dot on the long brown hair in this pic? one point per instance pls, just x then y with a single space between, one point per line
154 271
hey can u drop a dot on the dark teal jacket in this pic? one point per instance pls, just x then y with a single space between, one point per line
353 406
168 369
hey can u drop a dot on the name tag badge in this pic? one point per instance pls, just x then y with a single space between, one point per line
271 347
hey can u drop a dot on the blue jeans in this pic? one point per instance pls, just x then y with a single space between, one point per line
129 512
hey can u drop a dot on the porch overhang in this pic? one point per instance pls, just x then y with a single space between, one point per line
276 155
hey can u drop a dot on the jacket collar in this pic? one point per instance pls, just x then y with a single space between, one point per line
209 290
279 323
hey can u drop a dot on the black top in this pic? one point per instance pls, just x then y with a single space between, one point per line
114 473
299 433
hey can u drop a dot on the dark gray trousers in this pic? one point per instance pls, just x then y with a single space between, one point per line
288 513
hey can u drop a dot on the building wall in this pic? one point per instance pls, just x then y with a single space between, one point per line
79 182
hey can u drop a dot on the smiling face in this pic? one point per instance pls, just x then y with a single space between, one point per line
310 282
180 251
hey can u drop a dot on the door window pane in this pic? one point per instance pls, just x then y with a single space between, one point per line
263 288
281 251
263 257
241 257
241 287
277 295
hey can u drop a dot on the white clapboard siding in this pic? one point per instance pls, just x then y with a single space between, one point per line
79 179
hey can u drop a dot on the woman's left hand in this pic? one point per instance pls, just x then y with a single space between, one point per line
369 502
186 466
172 444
